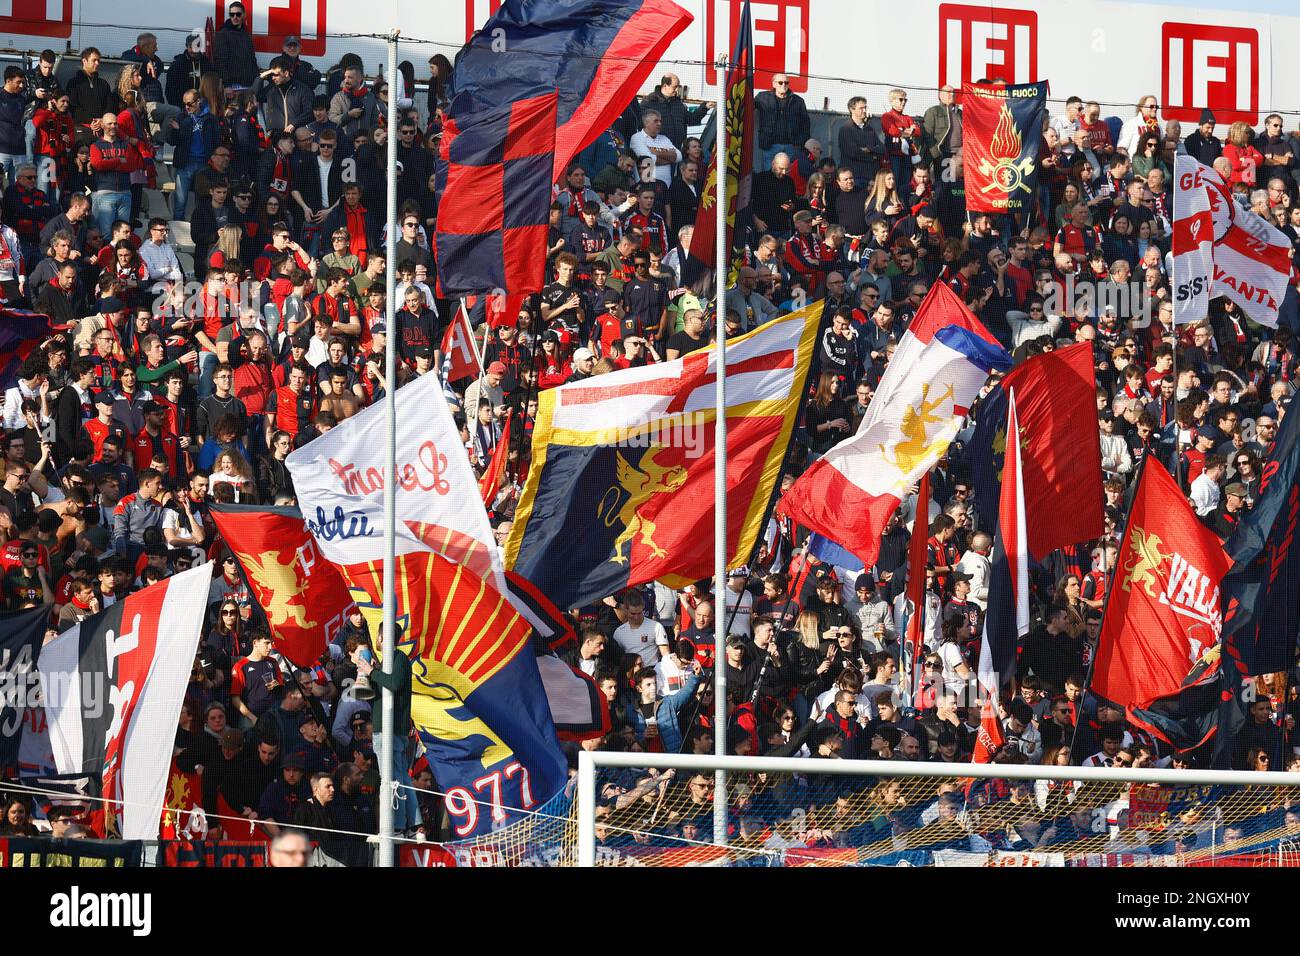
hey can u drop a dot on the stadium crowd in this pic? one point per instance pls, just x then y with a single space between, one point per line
181 378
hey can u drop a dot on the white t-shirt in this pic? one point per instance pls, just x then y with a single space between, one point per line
952 657
740 608
641 143
644 641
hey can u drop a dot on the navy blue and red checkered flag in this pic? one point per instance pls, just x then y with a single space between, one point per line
20 332
494 178
596 53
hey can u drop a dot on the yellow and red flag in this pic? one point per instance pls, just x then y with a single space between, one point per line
621 486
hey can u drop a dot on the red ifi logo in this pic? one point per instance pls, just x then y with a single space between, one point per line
270 21
1210 67
36 18
780 39
477 13
986 43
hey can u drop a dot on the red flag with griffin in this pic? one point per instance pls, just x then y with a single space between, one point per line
1164 608
304 596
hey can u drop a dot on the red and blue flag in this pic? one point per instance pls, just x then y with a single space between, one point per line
20 332
596 53
494 177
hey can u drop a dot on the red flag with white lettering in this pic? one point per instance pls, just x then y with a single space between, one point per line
1163 610
990 738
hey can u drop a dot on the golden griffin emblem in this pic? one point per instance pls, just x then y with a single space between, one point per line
636 483
1143 562
917 447
280 585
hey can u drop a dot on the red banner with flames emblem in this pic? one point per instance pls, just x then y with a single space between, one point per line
1001 133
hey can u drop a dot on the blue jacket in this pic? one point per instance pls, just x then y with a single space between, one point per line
667 716
12 107
197 137
151 87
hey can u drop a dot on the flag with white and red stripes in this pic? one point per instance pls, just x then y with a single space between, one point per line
459 353
1251 261
1193 242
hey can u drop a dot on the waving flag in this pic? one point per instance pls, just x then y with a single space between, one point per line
1251 261
490 483
460 358
596 53
1001 132
305 599
494 174
477 701
1007 618
990 739
698 270
1193 242
1055 399
446 557
938 368
113 686
21 636
1163 610
621 480
339 479
917 558
20 332
1262 617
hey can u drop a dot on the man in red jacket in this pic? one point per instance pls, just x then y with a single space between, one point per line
253 386
113 158
155 439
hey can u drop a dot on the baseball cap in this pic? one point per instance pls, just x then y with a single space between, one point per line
288 40
104 398
1236 488
232 738
583 354
292 761
379 329
960 576
497 368
825 574
149 407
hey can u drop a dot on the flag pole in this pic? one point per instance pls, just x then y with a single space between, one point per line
388 785
720 469
478 353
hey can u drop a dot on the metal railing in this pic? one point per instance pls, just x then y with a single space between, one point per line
590 761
